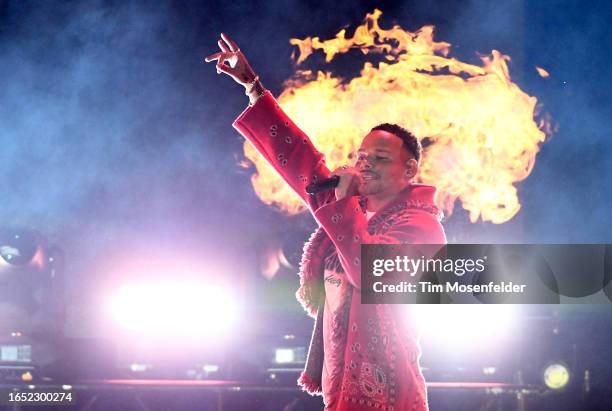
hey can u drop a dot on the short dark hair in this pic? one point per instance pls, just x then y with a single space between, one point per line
410 141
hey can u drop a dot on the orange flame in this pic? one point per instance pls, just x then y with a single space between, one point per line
543 73
480 124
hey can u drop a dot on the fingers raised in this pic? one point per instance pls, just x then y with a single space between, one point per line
212 57
232 45
223 47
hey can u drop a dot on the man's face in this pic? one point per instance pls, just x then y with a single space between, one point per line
385 166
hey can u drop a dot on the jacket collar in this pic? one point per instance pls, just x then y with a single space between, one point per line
421 194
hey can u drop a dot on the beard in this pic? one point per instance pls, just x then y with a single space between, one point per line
370 187
382 187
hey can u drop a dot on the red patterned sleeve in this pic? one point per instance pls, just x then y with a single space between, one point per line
347 227
286 148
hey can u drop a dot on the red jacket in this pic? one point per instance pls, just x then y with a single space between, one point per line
373 346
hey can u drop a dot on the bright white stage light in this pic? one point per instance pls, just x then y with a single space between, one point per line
174 309
210 368
463 324
556 376
284 355
290 355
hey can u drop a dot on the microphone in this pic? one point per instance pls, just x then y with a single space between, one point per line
323 185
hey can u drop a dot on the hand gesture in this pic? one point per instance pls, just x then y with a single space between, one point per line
237 66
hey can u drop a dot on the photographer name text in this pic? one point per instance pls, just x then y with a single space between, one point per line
449 287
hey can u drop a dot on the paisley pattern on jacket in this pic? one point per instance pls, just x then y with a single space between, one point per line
319 246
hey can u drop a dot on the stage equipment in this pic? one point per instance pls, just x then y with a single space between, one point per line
556 376
31 284
31 303
293 355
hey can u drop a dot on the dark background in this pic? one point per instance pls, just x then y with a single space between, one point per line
116 139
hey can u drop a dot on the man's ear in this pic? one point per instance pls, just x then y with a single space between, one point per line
412 167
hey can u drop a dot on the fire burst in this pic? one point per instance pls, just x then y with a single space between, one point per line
480 127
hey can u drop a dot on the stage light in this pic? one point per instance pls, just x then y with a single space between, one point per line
284 355
31 288
174 310
489 370
210 368
290 355
463 325
556 376
137 367
18 247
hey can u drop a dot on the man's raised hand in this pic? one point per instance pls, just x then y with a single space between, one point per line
232 62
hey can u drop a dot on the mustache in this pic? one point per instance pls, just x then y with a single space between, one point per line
368 174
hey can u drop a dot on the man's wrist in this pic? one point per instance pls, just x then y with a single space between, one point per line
256 91
248 86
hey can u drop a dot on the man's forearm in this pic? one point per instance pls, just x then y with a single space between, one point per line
284 146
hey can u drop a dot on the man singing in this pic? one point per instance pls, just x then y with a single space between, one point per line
361 357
